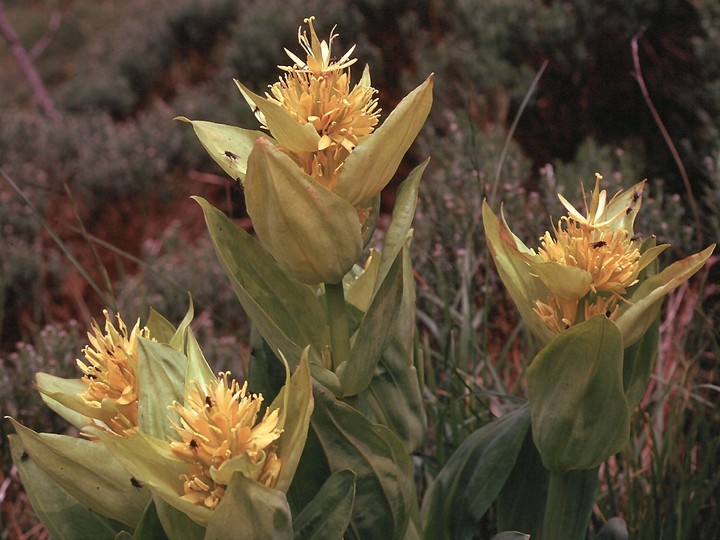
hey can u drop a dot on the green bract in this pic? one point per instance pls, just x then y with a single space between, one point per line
530 279
313 229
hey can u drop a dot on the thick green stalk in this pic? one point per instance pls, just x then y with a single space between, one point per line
570 499
338 323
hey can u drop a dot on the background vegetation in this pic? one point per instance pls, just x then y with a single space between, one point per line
112 175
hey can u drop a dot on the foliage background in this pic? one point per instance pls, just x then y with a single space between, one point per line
112 177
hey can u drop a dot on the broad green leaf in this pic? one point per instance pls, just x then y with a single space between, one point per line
349 441
160 328
579 411
63 397
62 515
646 300
288 132
402 217
251 511
327 515
374 335
512 260
161 374
229 146
286 313
472 478
372 164
87 471
393 398
150 527
312 233
295 402
152 462
521 503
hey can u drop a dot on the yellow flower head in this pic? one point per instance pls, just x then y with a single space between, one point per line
218 422
317 91
111 371
601 244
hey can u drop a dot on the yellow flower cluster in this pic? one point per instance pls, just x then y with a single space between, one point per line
111 372
599 245
317 91
218 423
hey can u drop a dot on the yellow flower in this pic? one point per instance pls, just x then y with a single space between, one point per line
318 92
312 184
219 422
111 372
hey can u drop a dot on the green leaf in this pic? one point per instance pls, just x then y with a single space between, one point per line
384 494
313 234
473 477
575 388
152 462
295 402
288 132
403 213
393 398
251 511
229 146
287 313
197 367
374 335
161 374
88 472
63 397
645 302
61 514
327 515
160 328
512 259
178 339
372 164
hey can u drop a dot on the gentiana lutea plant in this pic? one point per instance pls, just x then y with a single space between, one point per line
591 295
316 443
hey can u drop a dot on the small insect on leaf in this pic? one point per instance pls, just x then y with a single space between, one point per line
232 156
135 482
24 456
208 402
193 444
599 244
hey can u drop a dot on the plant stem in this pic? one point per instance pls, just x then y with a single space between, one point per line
570 499
338 323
